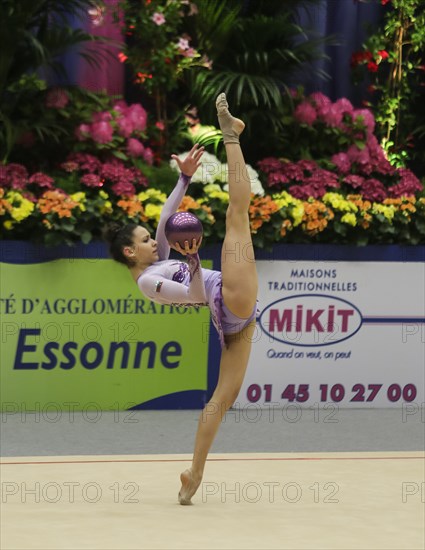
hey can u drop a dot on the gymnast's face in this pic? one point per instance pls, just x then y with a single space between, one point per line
144 250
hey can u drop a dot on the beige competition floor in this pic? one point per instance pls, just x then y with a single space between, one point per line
246 501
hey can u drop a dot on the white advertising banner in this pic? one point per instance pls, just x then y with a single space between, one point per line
345 333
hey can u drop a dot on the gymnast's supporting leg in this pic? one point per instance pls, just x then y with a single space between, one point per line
233 363
240 284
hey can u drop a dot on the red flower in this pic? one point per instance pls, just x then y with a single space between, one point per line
372 67
356 59
385 2
384 54
359 57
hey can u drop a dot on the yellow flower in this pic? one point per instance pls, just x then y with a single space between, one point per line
79 197
153 211
220 195
106 208
387 211
297 213
283 199
214 191
338 202
24 209
152 194
349 218
8 224
103 194
211 187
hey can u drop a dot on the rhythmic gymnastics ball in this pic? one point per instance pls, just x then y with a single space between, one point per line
181 227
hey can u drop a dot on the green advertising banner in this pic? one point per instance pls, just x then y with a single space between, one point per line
76 332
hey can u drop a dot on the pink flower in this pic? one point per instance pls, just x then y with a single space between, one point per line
116 172
309 165
57 98
102 116
3 175
320 100
148 155
125 126
135 148
344 105
342 162
408 184
190 52
120 106
183 44
91 180
42 180
305 113
269 163
354 181
85 161
368 118
158 18
302 191
377 155
14 176
123 188
359 156
332 116
138 177
82 132
160 125
138 116
276 177
101 132
374 190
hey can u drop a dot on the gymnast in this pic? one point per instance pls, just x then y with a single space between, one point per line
231 294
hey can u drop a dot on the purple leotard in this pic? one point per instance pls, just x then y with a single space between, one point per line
187 284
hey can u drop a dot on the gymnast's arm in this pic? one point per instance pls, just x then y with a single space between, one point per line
187 167
170 206
162 290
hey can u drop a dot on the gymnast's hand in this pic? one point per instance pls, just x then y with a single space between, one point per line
192 162
188 250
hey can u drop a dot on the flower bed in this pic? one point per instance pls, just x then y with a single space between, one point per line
334 184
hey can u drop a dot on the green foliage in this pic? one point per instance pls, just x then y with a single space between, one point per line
34 33
184 54
393 60
253 60
159 52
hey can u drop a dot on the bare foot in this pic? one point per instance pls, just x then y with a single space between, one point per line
190 484
230 126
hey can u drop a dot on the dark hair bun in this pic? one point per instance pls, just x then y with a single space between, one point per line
110 232
118 236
